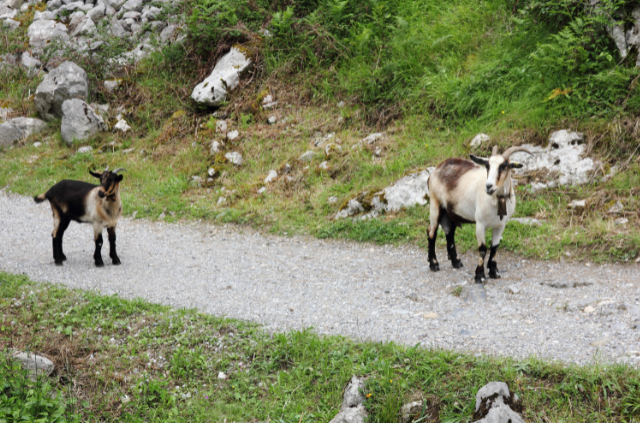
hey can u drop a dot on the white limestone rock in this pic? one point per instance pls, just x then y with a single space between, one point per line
18 129
224 78
65 82
43 31
478 140
234 157
79 121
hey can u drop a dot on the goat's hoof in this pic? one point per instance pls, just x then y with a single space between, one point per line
457 264
99 263
116 261
64 258
480 279
494 275
434 267
58 262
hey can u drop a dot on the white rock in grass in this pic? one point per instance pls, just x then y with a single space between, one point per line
122 126
373 138
44 31
112 84
65 82
46 15
221 375
262 190
221 126
34 363
307 156
14 4
233 135
234 157
224 78
7 12
84 27
98 12
11 24
577 204
29 62
85 149
216 147
478 140
324 165
621 221
221 201
272 120
332 200
79 121
495 399
18 129
271 177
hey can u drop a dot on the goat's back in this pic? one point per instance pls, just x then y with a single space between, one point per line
70 196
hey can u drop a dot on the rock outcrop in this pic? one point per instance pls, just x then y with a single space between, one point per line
222 80
352 409
79 121
66 82
493 404
18 129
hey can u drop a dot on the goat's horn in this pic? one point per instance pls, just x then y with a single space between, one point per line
494 152
120 169
106 168
509 151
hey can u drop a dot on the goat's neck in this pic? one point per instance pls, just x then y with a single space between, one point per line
505 190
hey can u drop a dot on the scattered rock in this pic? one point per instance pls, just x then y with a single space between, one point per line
11 24
271 177
29 62
85 149
221 201
233 135
430 315
34 363
272 120
18 129
478 140
580 304
621 221
616 208
526 221
352 208
216 147
221 126
332 200
168 33
324 165
122 126
512 289
561 159
577 204
221 375
352 410
262 190
373 138
37 144
79 121
224 78
409 191
493 404
341 104
307 156
67 81
234 157
42 32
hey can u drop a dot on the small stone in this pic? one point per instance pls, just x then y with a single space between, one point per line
324 165
211 172
11 24
307 156
234 157
233 135
267 99
85 149
34 363
375 137
621 221
272 120
332 200
222 376
37 144
215 148
341 104
589 309
122 126
577 204
128 150
513 290
616 208
262 190
353 393
221 126
430 315
271 177
221 200
478 140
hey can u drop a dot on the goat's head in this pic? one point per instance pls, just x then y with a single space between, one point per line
109 181
498 167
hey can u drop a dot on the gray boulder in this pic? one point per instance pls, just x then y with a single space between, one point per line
65 82
14 4
34 363
47 15
117 30
352 409
84 27
7 12
97 12
43 31
133 5
79 121
18 129
54 4
493 403
224 78
11 24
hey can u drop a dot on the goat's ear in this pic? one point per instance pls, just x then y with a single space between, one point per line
96 174
119 178
515 165
479 160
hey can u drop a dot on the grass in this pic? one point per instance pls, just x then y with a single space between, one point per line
423 71
128 361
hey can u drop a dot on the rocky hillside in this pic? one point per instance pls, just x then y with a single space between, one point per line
326 117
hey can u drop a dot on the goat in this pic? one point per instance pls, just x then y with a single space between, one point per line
83 202
461 192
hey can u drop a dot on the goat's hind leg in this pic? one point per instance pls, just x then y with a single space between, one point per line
56 236
450 231
495 243
482 252
112 246
433 233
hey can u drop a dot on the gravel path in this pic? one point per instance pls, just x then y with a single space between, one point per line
336 287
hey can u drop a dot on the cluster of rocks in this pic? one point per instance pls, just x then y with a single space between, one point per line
493 405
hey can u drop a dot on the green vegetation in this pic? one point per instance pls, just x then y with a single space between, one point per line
430 73
130 361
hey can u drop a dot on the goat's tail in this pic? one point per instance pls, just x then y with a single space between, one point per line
39 198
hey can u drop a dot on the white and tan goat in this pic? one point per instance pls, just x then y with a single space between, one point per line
98 205
461 191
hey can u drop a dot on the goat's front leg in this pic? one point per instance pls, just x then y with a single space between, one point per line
482 251
495 243
97 236
112 245
432 234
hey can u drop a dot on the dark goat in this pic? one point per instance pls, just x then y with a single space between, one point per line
83 202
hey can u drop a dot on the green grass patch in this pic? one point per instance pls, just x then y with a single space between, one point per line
123 360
